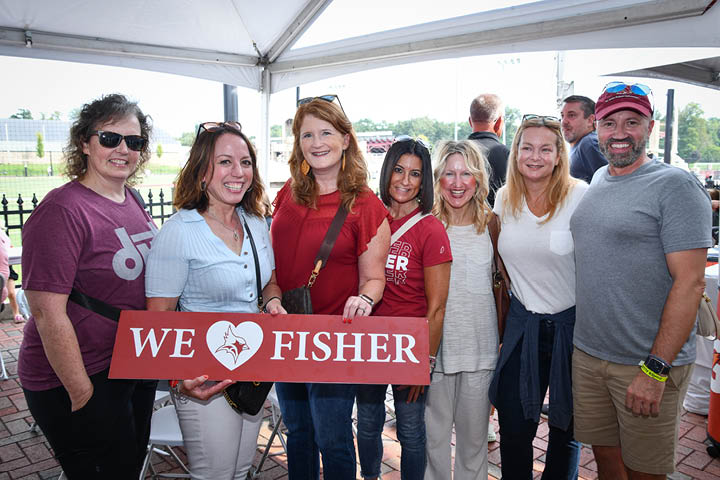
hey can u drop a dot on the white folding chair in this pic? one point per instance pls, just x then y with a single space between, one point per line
276 420
164 434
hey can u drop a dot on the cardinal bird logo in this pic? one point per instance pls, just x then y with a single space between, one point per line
232 344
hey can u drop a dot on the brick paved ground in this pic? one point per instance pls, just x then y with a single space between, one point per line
27 455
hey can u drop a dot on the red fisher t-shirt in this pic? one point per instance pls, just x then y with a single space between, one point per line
297 233
426 244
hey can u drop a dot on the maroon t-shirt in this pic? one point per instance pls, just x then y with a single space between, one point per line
297 233
426 244
77 238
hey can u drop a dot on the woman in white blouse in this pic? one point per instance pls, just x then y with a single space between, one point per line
202 261
537 248
466 358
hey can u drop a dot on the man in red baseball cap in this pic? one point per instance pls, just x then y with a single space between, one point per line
641 235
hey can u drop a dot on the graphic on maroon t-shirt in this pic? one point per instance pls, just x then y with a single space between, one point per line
129 260
397 262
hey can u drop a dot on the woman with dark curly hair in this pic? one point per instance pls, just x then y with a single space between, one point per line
328 170
89 238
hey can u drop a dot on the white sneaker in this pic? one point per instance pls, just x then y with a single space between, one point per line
491 433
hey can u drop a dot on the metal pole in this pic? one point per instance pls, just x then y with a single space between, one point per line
230 102
669 120
265 128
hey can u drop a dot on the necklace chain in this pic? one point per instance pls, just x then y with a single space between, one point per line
234 231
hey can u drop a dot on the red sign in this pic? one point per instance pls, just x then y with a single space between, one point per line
284 348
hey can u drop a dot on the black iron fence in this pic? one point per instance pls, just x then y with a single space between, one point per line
159 208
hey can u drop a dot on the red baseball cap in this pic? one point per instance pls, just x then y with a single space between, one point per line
619 96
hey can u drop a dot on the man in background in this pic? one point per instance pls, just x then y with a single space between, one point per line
578 125
487 116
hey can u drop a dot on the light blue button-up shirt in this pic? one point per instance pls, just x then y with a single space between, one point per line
187 260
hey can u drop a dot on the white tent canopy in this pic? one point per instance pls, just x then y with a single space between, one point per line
250 43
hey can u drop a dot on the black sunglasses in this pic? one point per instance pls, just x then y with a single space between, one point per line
543 118
327 98
216 126
408 138
112 140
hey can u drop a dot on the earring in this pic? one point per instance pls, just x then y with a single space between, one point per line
203 185
305 167
343 162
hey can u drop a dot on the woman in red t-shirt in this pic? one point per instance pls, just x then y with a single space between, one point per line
417 275
327 169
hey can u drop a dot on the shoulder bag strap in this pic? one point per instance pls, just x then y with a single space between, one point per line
328 243
95 305
257 265
407 226
498 265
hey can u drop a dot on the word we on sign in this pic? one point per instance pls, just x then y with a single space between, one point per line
283 348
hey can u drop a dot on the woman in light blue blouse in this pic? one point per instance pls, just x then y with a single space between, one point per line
202 261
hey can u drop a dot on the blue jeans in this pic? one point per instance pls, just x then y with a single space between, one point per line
410 431
517 433
318 417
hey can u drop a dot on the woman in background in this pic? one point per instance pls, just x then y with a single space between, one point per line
466 359
417 274
537 248
202 261
328 170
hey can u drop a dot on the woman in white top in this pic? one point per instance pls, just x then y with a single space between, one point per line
202 261
466 358
537 248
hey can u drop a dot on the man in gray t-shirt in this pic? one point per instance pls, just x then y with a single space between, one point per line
641 234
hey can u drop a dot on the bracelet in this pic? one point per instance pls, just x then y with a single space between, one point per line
369 300
652 374
433 359
270 300
175 386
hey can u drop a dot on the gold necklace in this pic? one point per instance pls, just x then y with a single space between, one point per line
234 231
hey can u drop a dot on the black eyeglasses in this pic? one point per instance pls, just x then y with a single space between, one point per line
542 118
112 140
216 126
327 98
408 138
636 88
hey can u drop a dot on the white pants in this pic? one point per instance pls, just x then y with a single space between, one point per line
220 442
459 399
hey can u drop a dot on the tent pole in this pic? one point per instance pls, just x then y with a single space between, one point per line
230 103
264 143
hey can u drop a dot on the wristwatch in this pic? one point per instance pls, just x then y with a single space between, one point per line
657 365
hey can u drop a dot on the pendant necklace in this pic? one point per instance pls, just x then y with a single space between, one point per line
234 231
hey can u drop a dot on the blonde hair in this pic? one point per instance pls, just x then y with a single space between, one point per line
476 164
561 183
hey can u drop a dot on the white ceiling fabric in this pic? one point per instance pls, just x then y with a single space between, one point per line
233 41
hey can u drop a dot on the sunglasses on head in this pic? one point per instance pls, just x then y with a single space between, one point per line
112 140
327 98
636 88
543 118
217 126
408 138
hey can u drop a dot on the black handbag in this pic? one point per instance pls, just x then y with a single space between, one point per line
249 397
298 299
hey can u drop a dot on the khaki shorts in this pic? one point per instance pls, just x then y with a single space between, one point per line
599 389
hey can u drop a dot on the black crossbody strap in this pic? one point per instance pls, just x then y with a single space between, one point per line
95 305
257 265
331 236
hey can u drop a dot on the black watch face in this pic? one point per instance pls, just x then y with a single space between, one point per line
656 366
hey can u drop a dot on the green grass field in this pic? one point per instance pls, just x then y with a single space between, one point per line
11 187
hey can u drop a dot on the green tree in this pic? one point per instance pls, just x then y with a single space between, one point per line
187 139
276 131
22 113
693 135
512 122
40 145
159 150
53 116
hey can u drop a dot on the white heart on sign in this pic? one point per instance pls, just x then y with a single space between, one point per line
233 345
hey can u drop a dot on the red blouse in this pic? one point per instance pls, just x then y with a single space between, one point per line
298 231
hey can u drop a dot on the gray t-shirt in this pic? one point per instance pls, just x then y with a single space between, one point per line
623 228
